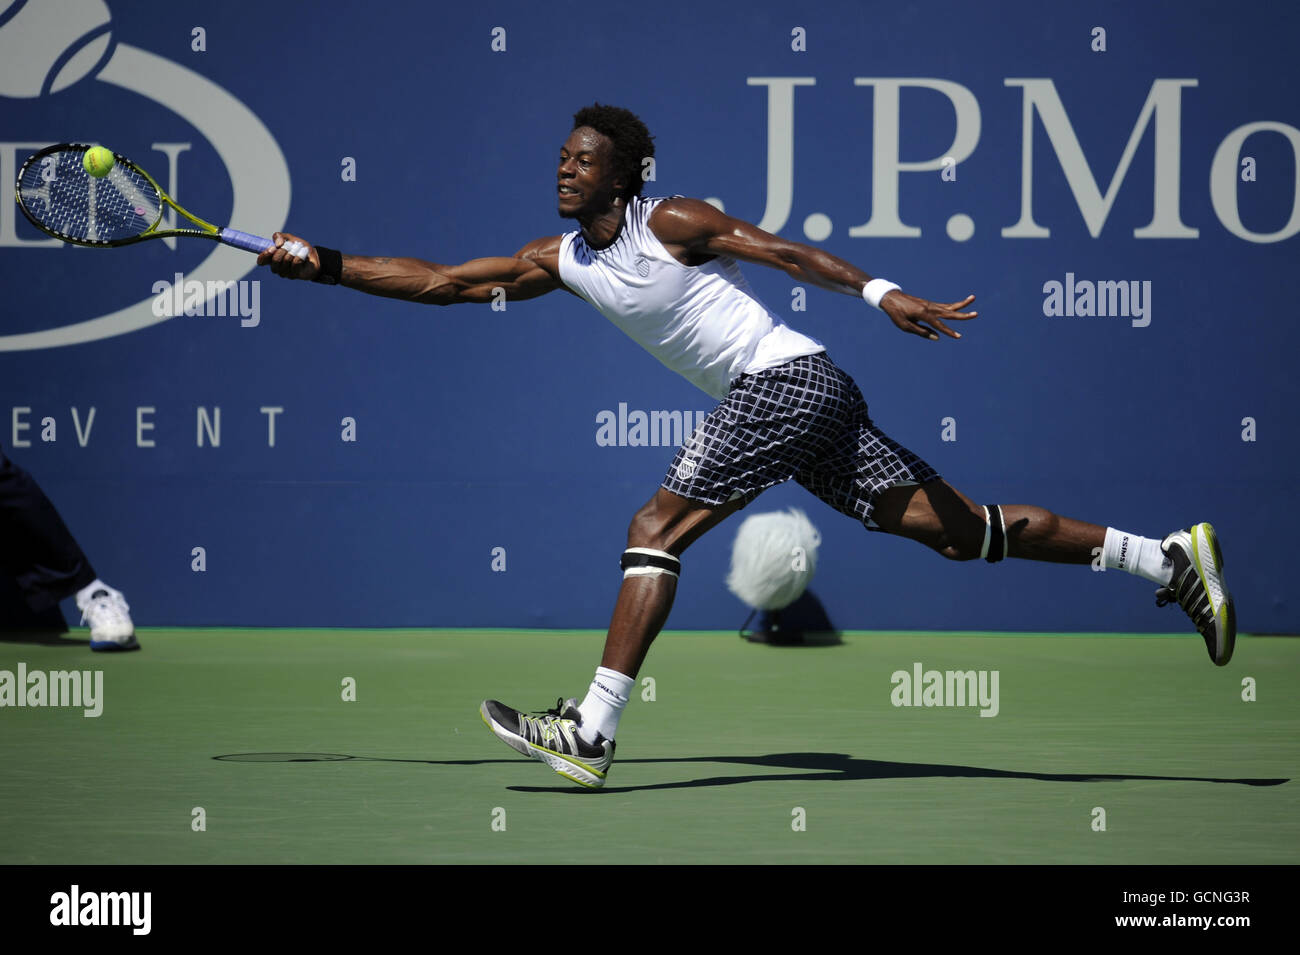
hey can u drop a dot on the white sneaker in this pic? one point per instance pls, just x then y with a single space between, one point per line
105 610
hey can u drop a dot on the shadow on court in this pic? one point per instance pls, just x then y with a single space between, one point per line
44 638
833 767
19 624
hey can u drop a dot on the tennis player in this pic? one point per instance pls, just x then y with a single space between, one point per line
664 270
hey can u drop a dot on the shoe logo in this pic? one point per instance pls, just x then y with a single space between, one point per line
560 730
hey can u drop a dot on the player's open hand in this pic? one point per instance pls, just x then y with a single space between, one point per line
287 258
917 316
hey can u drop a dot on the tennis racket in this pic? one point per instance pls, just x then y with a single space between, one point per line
60 198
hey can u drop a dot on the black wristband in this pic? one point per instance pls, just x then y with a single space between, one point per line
331 266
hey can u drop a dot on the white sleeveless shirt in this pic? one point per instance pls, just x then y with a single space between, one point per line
704 322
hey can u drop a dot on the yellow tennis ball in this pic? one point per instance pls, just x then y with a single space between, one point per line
98 161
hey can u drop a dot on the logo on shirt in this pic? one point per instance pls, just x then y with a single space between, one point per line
642 265
686 469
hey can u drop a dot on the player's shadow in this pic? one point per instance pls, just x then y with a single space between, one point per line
814 767
839 767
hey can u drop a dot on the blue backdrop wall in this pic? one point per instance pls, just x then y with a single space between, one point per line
1149 144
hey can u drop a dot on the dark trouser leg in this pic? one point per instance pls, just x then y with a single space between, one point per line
36 548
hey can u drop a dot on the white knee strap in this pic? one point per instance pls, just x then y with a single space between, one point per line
645 562
995 534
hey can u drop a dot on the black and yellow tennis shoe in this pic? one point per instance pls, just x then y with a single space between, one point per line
1199 588
552 737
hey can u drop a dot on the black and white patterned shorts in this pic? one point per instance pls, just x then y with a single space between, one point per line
805 420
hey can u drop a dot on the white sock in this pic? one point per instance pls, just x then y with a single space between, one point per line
1138 555
604 704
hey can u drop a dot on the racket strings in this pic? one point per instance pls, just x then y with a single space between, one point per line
57 191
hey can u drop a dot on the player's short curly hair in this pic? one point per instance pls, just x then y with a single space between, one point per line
633 143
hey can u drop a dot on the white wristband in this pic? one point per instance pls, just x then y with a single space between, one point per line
875 290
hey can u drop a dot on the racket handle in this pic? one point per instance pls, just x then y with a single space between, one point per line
242 240
255 243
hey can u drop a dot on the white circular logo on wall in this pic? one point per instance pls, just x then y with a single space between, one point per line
47 46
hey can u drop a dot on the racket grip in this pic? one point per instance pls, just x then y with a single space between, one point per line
245 241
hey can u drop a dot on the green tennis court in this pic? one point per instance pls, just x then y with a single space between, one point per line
740 745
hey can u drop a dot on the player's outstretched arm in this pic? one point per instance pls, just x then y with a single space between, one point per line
698 227
532 271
